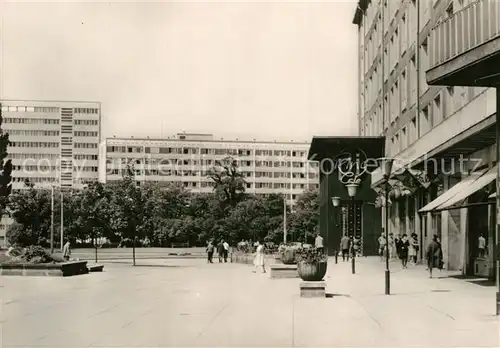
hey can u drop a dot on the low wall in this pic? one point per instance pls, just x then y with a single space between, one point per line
247 258
65 269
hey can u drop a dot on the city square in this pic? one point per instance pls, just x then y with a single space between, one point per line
189 303
250 174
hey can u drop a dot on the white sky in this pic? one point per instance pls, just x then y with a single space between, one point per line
266 70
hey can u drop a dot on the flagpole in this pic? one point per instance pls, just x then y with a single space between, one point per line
284 219
62 221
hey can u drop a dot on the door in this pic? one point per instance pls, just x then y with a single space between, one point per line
477 224
351 217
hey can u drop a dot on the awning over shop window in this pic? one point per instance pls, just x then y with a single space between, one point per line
452 192
477 185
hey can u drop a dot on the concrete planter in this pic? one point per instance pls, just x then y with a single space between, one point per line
65 269
312 272
288 256
242 258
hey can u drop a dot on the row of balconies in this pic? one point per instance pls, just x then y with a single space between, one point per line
465 30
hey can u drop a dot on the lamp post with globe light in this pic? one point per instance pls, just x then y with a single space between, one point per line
352 188
352 185
336 204
386 167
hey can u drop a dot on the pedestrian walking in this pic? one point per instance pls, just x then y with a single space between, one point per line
404 245
344 246
220 250
414 248
67 250
434 255
210 252
481 246
225 250
391 243
382 244
259 258
318 243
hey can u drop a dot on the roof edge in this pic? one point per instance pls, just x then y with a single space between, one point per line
360 9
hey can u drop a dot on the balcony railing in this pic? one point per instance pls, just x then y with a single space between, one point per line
468 28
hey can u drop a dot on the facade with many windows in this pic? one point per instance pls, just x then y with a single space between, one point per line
268 167
52 143
440 136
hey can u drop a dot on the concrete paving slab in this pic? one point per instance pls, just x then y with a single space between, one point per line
192 304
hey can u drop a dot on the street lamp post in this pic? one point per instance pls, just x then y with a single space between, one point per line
62 222
52 219
351 190
133 217
336 204
386 167
284 220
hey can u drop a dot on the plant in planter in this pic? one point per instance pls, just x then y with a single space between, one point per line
311 264
288 253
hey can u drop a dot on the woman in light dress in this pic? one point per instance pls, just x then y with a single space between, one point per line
414 247
259 258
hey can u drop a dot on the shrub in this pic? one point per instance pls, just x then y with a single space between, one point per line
15 251
57 258
310 255
36 254
19 236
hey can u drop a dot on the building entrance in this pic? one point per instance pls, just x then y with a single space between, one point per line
351 222
477 225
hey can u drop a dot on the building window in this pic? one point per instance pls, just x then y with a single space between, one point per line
449 10
404 35
424 66
412 136
404 139
437 114
425 121
404 94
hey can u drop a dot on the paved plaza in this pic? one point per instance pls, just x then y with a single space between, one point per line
187 303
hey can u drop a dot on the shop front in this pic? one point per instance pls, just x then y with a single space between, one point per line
450 197
344 161
459 213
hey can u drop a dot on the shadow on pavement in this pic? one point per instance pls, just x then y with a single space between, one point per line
474 280
144 265
330 295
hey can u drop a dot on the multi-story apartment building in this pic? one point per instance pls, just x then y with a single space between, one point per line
268 167
443 136
52 143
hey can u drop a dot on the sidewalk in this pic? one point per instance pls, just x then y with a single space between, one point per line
188 303
443 312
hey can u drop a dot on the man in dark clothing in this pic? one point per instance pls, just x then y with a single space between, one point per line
403 247
434 255
344 246
210 252
220 250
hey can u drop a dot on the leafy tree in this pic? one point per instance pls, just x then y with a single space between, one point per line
5 168
256 218
304 221
228 182
31 208
19 236
91 206
126 206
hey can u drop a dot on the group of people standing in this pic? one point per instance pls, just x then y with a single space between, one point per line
407 249
350 246
222 251
404 248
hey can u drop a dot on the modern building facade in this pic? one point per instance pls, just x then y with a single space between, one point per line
268 167
52 143
441 136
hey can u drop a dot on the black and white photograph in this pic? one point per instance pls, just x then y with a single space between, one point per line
250 174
